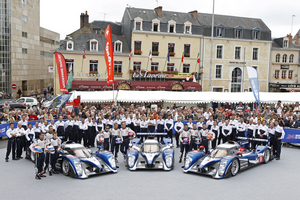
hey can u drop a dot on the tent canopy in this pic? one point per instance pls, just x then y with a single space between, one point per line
94 96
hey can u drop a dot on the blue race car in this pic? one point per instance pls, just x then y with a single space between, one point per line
77 161
227 159
150 155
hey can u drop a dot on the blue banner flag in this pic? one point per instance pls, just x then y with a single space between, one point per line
253 78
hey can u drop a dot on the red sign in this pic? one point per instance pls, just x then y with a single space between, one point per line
13 86
62 71
292 90
109 57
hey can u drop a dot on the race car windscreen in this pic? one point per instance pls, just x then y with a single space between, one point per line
82 153
150 148
218 153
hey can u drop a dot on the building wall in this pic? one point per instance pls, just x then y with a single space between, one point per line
30 71
164 38
229 62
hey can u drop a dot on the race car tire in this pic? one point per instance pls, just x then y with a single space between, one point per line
235 167
66 167
32 156
267 156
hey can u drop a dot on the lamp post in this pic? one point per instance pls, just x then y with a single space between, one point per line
211 44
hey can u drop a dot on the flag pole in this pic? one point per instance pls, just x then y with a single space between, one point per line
113 93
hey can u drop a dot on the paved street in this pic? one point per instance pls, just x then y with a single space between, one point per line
275 180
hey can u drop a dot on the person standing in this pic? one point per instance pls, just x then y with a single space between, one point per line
151 124
194 134
37 130
160 122
200 123
144 128
19 93
233 123
76 103
185 138
241 128
60 127
178 130
29 136
221 136
68 126
106 135
20 134
75 133
82 132
124 133
262 132
40 156
11 142
226 131
251 129
271 132
89 132
24 126
279 135
116 140
169 127
56 143
205 133
216 130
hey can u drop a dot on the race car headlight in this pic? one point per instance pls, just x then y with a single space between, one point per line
78 167
112 162
222 168
131 160
169 161
187 163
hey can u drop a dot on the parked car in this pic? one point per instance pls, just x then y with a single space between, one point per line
28 101
12 103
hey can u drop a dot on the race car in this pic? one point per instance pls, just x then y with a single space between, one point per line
150 155
227 159
77 161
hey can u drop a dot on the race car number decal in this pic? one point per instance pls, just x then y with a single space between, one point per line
261 158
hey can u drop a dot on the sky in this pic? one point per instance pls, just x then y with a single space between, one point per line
63 16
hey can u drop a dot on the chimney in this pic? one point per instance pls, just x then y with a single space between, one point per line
290 37
194 13
159 11
297 40
84 19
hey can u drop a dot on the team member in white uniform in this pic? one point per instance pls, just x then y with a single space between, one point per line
20 132
116 137
206 136
169 127
40 157
144 127
82 132
271 132
200 123
233 123
221 136
185 139
262 132
216 130
178 130
160 123
124 131
279 135
194 134
226 131
251 129
11 142
59 125
210 123
190 123
68 127
241 128
56 143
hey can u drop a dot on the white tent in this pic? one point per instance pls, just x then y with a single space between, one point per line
94 96
140 96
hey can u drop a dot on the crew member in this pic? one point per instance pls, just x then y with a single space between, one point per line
20 132
194 134
241 128
262 132
29 135
216 130
205 133
124 133
24 126
151 124
185 138
144 127
106 135
136 123
89 132
190 123
118 121
40 157
221 136
68 125
169 127
11 142
160 122
178 130
60 127
271 132
56 143
115 142
37 130
83 133
279 135
94 133
210 122
233 123
226 131
200 123
75 129
251 128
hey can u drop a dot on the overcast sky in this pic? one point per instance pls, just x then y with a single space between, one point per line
62 16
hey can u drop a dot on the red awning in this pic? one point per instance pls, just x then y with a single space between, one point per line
135 85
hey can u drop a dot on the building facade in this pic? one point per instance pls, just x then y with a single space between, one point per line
25 56
285 65
175 46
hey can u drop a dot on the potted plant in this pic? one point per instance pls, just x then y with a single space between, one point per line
284 77
290 77
137 52
155 53
186 54
276 77
93 72
172 53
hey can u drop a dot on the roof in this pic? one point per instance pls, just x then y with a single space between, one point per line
115 27
278 43
295 37
81 41
203 19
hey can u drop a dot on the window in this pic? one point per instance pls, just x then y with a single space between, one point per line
255 54
171 49
291 60
277 74
24 18
96 31
154 66
238 32
290 74
137 66
94 45
118 67
155 27
42 53
219 32
24 34
118 46
187 48
218 71
285 43
277 58
188 27
237 53
170 67
70 45
255 35
172 26
24 85
236 80
24 51
155 46
217 89
138 26
137 47
24 2
284 58
93 66
220 51
186 68
283 74
70 65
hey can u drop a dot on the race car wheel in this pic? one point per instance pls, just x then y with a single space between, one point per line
267 156
66 168
235 167
32 156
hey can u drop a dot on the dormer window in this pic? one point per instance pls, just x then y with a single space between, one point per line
256 34
172 26
70 45
93 45
118 46
96 31
155 25
188 28
138 25
220 31
285 43
238 32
